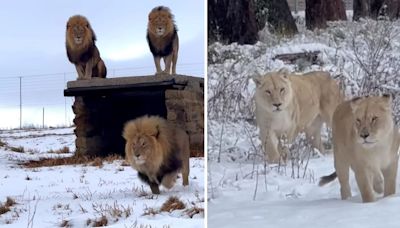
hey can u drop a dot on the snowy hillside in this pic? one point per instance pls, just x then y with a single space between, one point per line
95 193
363 57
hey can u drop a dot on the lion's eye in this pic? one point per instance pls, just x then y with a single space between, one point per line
282 90
268 92
358 121
374 119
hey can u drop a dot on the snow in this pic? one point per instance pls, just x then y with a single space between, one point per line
245 193
248 193
81 194
40 140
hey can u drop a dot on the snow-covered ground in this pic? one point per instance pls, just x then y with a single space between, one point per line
80 195
243 192
40 140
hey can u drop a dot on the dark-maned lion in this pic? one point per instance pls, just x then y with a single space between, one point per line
82 50
157 150
162 38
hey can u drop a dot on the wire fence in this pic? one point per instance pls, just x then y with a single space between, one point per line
38 101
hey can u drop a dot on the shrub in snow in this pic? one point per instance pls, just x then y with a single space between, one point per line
362 56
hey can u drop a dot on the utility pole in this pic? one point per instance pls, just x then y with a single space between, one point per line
65 102
20 102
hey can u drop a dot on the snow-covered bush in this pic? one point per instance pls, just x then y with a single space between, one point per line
363 56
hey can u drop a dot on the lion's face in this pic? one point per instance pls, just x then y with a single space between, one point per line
78 30
141 148
372 119
78 33
275 90
160 23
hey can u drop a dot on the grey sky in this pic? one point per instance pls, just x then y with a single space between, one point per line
33 43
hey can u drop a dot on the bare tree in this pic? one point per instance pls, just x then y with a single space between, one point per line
376 8
366 8
374 49
315 14
240 20
277 14
373 55
318 12
335 10
391 9
232 21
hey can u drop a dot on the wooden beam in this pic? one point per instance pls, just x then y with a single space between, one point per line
106 90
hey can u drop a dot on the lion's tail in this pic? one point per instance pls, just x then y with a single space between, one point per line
326 179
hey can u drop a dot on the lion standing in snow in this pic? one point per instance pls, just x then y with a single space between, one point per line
287 104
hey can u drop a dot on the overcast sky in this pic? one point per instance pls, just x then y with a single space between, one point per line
33 43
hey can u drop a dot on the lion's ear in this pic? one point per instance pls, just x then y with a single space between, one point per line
257 79
387 98
68 26
354 103
284 72
157 133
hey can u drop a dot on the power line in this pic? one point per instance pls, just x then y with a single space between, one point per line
110 69
25 93
39 105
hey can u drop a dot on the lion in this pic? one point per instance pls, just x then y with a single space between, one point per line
162 37
365 139
287 104
157 150
82 50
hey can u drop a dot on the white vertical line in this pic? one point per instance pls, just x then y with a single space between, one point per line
205 27
20 102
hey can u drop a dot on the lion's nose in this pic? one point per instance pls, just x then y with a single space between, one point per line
277 105
364 135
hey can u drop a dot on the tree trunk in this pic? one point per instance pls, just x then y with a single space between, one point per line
391 9
376 8
361 8
213 30
315 14
318 12
335 10
277 13
232 21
